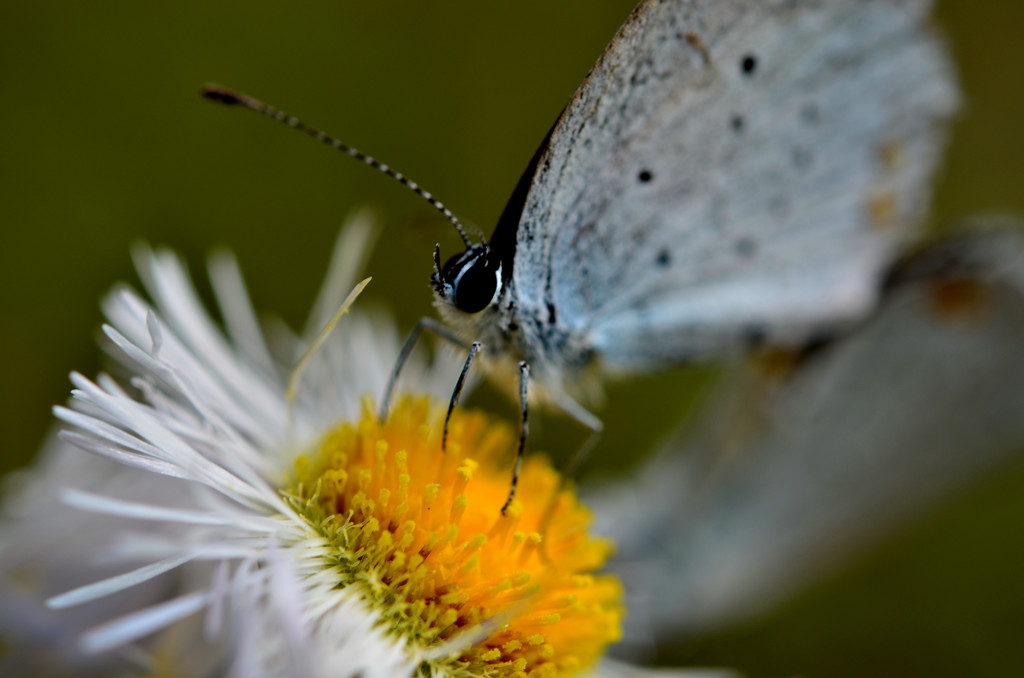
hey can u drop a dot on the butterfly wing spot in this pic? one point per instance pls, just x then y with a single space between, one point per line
748 64
644 176
745 247
698 44
737 122
960 301
882 205
882 208
664 258
811 113
801 157
891 154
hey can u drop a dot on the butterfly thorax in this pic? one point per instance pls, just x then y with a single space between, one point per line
479 304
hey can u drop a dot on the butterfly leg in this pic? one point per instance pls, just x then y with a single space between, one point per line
581 453
403 355
524 377
587 419
596 427
457 392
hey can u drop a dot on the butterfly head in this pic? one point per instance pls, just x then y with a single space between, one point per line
470 281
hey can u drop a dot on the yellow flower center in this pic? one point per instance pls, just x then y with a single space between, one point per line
420 532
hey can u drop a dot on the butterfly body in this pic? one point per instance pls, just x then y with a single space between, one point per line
730 173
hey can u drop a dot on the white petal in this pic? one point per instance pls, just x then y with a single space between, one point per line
142 623
117 454
218 593
348 258
106 587
237 310
130 509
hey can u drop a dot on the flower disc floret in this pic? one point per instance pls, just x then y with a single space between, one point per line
420 532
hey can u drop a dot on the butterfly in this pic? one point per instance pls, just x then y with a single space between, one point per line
730 174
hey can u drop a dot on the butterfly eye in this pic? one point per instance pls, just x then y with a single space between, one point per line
474 279
475 287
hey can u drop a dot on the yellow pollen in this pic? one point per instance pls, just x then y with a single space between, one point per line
420 532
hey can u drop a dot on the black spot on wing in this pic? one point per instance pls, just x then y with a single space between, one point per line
664 258
644 176
811 114
748 64
737 123
745 247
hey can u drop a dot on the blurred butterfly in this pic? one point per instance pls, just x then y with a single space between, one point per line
730 174
918 400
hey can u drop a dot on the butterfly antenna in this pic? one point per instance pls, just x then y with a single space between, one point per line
230 97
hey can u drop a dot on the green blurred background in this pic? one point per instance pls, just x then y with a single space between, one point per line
105 143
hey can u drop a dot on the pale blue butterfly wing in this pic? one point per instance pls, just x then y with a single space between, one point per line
920 399
730 172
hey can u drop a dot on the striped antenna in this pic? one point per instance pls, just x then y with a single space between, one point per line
230 97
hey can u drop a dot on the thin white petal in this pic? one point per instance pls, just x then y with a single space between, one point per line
106 587
180 306
155 333
129 509
321 337
287 598
173 449
218 592
142 623
237 310
248 402
231 545
113 453
211 406
354 242
106 431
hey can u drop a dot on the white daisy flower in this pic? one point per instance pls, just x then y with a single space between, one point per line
242 516
220 528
